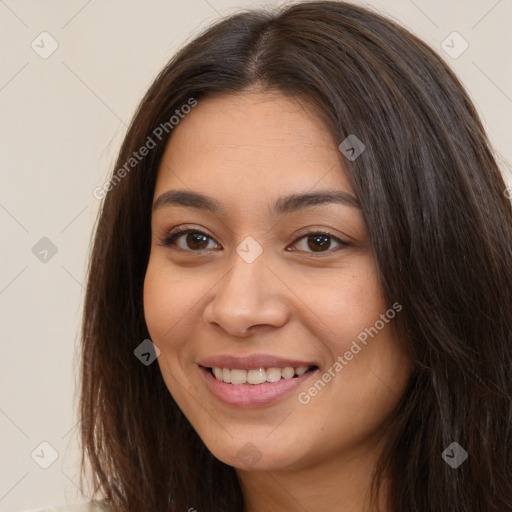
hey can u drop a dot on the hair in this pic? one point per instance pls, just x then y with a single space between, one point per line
440 228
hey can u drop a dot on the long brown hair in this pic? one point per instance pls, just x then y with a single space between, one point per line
441 230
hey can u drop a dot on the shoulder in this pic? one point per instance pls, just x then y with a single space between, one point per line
86 507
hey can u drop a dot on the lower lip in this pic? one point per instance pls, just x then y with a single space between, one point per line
253 395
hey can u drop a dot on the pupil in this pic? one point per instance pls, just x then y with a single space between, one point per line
196 240
323 242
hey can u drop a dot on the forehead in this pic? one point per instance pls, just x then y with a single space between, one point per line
260 144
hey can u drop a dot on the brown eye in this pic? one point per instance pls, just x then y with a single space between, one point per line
189 240
196 241
319 242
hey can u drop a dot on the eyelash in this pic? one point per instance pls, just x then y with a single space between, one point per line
169 240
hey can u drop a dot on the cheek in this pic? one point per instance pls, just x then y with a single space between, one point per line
368 370
169 302
169 299
345 304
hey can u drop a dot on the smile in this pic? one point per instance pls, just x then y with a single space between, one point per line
255 387
257 376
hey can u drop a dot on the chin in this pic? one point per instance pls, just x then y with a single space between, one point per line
256 453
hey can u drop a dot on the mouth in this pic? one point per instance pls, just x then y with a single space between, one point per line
255 387
258 376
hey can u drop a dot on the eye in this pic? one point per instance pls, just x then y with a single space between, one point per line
188 239
319 242
194 240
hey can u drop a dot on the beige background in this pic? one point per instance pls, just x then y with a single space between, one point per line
63 118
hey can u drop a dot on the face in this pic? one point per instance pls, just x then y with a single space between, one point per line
261 290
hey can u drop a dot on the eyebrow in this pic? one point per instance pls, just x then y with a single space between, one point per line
282 206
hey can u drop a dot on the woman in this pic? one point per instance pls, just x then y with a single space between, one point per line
300 290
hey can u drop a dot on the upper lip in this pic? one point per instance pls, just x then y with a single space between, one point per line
250 362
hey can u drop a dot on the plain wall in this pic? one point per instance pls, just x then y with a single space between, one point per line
63 118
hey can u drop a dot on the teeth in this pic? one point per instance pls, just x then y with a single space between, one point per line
226 375
258 376
273 374
287 372
301 370
238 376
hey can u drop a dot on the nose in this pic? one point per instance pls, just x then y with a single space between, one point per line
249 295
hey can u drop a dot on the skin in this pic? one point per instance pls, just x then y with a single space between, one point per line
246 151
